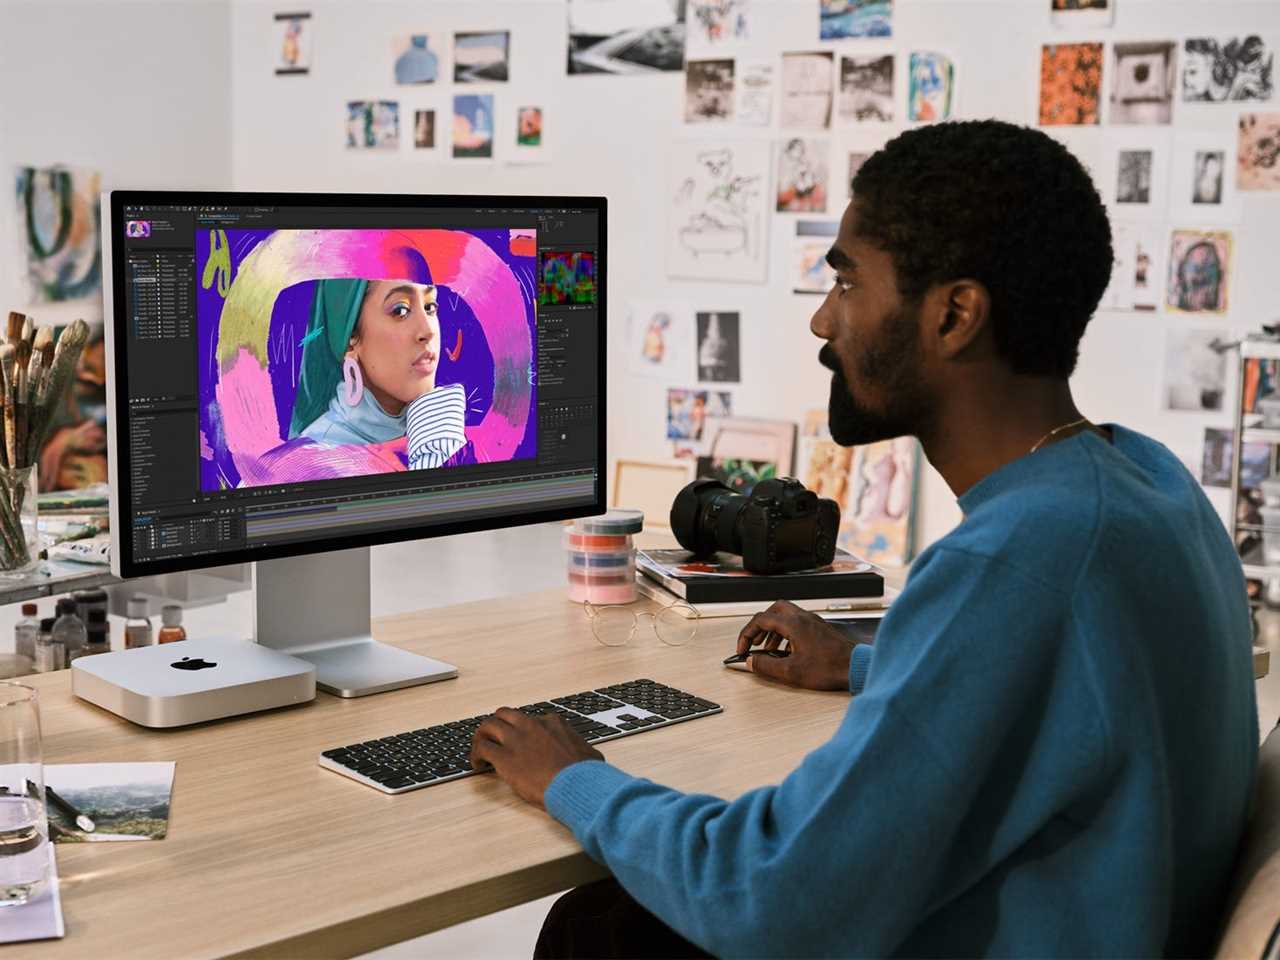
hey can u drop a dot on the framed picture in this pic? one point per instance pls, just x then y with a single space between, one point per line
752 440
650 486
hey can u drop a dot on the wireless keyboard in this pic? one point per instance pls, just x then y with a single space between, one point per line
431 755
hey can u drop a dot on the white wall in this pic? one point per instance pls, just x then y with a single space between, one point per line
135 90
610 137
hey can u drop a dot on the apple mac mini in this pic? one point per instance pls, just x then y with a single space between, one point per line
190 681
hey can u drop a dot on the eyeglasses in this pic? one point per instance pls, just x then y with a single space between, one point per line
615 626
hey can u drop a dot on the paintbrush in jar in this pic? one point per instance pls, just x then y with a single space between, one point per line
22 400
16 320
55 379
8 355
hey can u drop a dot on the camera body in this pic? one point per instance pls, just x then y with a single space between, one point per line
780 528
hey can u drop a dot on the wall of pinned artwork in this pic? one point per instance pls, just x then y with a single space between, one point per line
560 96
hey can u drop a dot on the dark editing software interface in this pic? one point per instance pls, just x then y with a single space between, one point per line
300 373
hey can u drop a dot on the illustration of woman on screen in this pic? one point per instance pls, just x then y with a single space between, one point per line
369 364
328 354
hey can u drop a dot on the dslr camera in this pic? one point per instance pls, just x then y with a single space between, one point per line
780 528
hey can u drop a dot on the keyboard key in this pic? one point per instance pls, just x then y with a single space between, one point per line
396 784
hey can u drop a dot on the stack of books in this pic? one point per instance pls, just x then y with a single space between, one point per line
719 586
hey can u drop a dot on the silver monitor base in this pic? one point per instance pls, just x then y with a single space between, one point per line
317 608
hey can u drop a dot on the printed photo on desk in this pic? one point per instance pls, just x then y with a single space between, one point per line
103 802
327 354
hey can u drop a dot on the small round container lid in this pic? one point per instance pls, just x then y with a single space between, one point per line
138 607
602 560
612 523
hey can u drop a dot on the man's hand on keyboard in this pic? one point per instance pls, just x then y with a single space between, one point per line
528 751
820 653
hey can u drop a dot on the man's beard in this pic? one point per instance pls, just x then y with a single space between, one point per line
893 367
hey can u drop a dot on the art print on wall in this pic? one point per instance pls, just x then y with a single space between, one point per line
626 36
1199 270
931 79
473 125
1138 268
1142 79
823 464
59 235
1078 13
840 19
806 89
1215 463
293 44
481 57
856 159
718 23
1070 83
719 347
716 226
709 91
810 272
529 127
1215 71
415 62
688 410
803 176
373 125
1133 177
424 129
660 340
1258 152
1195 372
283 398
866 89
877 524
755 93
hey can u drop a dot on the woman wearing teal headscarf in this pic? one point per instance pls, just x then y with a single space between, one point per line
369 362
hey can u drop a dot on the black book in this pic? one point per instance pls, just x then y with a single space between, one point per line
722 578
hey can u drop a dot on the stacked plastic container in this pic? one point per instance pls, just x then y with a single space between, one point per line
601 557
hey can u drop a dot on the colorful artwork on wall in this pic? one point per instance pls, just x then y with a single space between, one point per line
60 241
1070 83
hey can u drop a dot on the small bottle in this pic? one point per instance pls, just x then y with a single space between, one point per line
98 632
137 629
69 629
171 618
50 656
25 632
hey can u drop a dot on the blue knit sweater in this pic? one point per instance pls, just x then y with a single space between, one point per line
1052 754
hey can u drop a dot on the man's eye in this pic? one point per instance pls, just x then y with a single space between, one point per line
844 286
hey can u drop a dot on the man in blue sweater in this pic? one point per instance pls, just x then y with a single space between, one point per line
1050 748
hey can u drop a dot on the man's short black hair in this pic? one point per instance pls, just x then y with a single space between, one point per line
1007 206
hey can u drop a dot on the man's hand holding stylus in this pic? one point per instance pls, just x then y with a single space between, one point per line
820 653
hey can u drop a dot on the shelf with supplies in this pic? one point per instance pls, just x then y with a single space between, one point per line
1255 507
52 577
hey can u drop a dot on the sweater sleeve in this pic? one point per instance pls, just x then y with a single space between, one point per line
435 425
862 840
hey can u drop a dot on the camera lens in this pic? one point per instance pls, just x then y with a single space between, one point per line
704 517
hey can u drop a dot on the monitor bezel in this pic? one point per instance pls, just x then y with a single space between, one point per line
116 320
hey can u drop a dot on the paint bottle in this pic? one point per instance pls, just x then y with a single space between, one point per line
25 632
68 630
137 629
171 618
50 656
99 633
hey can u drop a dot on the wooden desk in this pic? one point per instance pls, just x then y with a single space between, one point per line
269 855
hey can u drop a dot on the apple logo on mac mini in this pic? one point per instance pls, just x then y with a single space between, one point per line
186 663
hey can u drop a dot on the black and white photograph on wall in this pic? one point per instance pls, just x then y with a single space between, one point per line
1206 185
1142 77
1133 177
424 129
708 92
481 57
293 33
719 348
806 89
1082 13
626 36
1215 71
1195 369
1215 464
866 89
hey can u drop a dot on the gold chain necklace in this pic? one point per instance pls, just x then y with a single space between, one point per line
1057 430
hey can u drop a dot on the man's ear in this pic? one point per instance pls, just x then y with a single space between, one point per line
958 313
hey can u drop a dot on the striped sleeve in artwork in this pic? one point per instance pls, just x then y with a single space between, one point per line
435 426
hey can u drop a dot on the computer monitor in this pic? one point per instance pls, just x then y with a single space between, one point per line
293 378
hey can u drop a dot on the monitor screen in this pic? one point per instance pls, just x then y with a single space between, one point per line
296 372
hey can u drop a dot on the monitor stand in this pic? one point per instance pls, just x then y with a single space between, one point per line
317 608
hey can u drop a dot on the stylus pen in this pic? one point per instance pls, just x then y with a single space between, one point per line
79 819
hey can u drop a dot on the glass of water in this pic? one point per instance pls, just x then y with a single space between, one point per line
24 829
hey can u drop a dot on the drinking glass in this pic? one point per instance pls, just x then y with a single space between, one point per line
24 829
675 624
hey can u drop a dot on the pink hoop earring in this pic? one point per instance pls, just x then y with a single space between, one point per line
354 381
